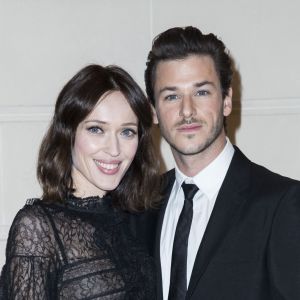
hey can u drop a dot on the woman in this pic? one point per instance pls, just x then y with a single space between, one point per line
95 163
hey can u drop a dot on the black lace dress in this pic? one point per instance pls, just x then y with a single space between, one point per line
81 250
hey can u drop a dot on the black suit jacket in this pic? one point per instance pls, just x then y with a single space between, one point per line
251 246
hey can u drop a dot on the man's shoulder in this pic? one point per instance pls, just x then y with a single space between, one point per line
271 178
169 175
167 180
262 175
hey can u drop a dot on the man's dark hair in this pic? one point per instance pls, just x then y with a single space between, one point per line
179 43
75 102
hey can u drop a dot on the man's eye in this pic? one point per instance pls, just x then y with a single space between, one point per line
202 93
95 129
128 132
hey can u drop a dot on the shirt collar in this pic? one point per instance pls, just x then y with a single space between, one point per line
210 179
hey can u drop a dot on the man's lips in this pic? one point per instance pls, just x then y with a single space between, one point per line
109 168
189 127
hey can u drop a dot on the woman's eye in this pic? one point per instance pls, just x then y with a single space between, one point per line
128 132
95 129
171 97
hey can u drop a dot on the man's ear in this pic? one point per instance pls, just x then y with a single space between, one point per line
155 119
227 103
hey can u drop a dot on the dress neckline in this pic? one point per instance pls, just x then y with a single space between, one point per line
96 206
91 203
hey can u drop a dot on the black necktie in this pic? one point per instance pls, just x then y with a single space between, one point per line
178 280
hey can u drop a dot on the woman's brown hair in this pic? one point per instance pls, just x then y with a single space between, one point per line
138 189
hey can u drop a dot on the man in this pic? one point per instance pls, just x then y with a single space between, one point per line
228 229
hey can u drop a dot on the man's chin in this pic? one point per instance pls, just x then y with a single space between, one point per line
190 150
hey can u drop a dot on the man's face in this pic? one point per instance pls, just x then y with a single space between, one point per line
189 105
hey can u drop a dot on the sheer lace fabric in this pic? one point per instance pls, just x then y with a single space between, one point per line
81 250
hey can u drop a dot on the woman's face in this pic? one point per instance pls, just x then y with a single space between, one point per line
105 145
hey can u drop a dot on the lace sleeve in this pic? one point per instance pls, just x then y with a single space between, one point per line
29 272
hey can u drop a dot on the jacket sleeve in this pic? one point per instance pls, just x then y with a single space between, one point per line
284 247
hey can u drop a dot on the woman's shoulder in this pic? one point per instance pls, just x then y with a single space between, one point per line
30 230
31 212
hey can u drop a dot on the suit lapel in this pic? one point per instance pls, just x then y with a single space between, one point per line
167 184
232 194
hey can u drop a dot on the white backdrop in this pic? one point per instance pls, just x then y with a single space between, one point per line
43 44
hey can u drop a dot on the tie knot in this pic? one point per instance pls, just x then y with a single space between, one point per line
189 191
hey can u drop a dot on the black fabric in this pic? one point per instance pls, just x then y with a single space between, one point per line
251 246
178 279
81 250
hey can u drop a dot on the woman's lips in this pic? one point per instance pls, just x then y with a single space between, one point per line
109 168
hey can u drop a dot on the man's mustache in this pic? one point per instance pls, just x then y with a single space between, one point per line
189 121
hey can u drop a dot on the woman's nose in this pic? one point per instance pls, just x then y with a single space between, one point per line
113 146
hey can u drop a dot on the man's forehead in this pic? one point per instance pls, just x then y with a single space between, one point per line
192 69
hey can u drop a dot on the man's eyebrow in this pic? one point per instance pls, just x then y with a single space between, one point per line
200 84
167 88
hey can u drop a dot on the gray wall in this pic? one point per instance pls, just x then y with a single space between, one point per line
43 44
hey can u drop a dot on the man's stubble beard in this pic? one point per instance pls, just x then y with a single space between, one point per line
196 149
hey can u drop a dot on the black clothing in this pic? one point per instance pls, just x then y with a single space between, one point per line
82 249
251 246
178 278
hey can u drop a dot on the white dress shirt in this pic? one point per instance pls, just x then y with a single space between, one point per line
209 182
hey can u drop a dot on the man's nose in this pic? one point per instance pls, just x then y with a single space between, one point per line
187 109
